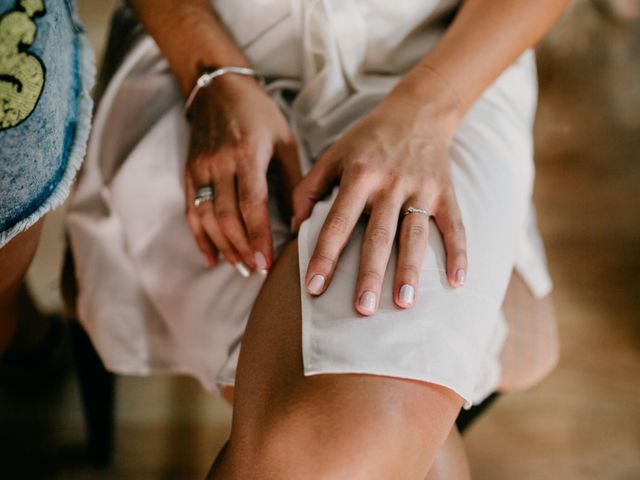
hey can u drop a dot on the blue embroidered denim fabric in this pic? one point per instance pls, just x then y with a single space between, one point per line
46 73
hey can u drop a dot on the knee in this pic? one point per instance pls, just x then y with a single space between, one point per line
307 448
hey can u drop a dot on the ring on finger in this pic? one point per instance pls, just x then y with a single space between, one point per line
203 194
410 210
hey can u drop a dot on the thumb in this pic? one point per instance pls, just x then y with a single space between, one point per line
312 188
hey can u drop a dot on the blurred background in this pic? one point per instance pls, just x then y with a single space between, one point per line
582 422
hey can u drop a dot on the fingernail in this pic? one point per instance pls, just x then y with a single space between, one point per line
367 302
242 269
316 284
406 294
460 277
261 263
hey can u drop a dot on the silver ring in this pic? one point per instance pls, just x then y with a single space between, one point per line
421 211
203 194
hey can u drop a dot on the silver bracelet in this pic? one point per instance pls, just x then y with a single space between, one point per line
209 75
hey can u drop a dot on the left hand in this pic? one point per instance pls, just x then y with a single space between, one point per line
393 158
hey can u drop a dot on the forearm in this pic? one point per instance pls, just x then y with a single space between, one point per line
189 35
484 39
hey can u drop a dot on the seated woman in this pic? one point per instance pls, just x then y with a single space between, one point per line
395 139
46 74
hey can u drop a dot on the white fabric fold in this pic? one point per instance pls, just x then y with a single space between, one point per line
146 298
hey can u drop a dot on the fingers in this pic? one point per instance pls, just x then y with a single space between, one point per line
204 243
412 245
379 237
312 187
336 230
229 219
208 222
449 220
289 174
376 249
253 203
203 223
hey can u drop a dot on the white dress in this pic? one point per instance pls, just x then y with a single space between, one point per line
151 305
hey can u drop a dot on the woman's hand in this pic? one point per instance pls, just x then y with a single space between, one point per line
236 130
394 158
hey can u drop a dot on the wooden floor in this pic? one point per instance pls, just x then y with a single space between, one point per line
581 423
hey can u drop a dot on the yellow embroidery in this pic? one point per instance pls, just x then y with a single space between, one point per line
21 72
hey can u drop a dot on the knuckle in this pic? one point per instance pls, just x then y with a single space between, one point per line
408 270
225 218
336 224
448 193
244 148
248 200
299 191
456 227
197 167
358 168
428 182
458 256
360 171
255 234
379 236
416 232
394 183
324 258
370 276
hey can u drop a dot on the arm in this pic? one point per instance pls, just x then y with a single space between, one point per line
189 35
397 155
484 39
236 130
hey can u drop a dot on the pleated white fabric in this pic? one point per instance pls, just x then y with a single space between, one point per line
151 305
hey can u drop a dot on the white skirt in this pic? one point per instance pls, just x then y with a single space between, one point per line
151 305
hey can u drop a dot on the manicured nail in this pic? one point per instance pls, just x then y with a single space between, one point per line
460 277
261 263
316 284
406 294
367 302
242 269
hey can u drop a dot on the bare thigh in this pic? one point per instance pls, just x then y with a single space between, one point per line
15 258
287 425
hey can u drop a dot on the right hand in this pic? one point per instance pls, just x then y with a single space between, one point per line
236 129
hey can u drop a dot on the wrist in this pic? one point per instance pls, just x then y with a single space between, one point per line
238 79
423 86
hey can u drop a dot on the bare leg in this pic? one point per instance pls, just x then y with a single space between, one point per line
531 350
451 461
15 303
286 425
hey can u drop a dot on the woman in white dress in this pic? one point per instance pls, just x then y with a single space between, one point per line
378 121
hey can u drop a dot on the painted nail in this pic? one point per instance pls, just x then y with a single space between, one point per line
367 302
406 294
316 284
261 263
460 277
242 269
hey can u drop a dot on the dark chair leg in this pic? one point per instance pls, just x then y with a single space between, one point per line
97 385
467 417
